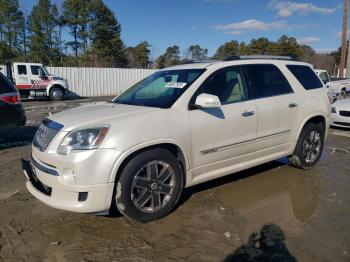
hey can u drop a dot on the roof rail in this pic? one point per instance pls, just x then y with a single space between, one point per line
247 57
201 61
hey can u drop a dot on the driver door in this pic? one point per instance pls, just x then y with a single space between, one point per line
223 137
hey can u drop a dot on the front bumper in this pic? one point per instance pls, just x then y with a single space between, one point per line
340 121
51 185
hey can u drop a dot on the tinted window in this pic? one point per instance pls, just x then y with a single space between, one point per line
35 70
5 85
306 76
22 69
268 80
227 84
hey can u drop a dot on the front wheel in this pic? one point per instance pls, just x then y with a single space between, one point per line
309 146
56 94
149 186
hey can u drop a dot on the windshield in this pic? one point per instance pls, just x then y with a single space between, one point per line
46 72
160 89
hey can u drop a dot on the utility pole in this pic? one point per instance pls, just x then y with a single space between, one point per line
344 39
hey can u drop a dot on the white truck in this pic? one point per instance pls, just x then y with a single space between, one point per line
339 87
33 80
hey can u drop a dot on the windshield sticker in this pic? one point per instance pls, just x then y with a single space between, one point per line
175 85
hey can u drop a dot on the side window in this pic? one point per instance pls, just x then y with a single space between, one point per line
268 80
324 77
35 70
22 69
227 84
306 76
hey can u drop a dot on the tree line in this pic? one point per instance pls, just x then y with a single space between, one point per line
96 40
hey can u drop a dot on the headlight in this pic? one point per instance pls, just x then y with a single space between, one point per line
333 110
82 139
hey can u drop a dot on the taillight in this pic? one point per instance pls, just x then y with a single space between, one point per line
10 98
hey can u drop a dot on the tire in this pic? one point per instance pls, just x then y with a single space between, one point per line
309 147
144 192
342 94
56 94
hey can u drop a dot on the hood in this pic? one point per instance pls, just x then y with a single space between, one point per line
344 103
96 114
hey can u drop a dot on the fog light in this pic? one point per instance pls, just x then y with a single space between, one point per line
82 196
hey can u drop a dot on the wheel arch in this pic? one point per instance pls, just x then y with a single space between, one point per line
177 150
317 118
48 89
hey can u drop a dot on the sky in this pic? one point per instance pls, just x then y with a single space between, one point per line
210 23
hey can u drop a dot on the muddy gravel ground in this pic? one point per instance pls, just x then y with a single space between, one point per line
302 215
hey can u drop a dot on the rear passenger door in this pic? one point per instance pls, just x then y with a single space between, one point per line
277 107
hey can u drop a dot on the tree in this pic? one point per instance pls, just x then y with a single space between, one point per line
288 46
231 48
11 27
138 56
42 26
105 35
170 57
262 46
196 53
77 14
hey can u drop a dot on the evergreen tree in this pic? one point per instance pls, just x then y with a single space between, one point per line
170 57
288 46
196 53
43 35
261 46
11 28
231 48
77 16
138 56
105 36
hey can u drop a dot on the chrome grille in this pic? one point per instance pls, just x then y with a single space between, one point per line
344 113
45 134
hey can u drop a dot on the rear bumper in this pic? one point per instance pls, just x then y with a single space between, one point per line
43 184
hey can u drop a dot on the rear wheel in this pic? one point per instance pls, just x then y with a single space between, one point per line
56 94
309 146
149 186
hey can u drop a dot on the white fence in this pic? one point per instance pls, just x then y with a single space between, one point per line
99 81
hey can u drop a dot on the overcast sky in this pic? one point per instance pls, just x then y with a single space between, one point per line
212 22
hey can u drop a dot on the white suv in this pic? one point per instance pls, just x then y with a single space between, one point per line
180 126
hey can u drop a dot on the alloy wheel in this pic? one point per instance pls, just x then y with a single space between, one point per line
153 186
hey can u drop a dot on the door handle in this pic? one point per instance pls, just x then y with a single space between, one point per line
292 105
248 113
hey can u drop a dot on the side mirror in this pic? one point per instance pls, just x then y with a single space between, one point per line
207 101
325 81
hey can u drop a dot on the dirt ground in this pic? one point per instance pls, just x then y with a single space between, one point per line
308 213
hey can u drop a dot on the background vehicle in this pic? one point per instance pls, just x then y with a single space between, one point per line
179 127
33 80
341 113
339 87
11 111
